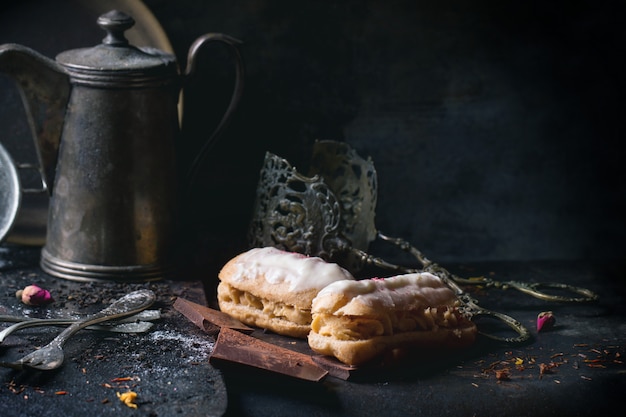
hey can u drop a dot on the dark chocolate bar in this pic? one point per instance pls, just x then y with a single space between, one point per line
235 347
208 319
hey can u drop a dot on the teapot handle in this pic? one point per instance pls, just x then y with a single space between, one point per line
232 44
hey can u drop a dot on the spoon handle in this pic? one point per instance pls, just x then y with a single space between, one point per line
131 324
145 315
131 303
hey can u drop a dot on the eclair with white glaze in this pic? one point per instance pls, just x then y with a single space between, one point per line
273 289
357 321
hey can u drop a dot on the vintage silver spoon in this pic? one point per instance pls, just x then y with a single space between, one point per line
137 323
51 356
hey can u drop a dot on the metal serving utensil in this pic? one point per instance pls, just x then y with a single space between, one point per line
137 323
535 289
331 214
51 356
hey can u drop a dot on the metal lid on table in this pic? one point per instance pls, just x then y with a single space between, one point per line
10 193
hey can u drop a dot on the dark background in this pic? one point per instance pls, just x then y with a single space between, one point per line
496 128
497 131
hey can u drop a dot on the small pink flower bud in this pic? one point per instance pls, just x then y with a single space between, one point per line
545 320
34 296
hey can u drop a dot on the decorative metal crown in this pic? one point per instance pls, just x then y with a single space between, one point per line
329 214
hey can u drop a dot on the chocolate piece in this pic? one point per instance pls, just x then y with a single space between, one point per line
334 367
235 347
208 319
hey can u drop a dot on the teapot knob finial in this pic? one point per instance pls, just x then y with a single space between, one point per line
115 23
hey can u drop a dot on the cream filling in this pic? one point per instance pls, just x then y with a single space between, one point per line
273 309
345 327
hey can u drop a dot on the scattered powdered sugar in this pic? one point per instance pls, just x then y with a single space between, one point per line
196 348
173 361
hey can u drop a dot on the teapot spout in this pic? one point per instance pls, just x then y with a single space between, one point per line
45 88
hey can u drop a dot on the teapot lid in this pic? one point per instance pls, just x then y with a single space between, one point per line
115 56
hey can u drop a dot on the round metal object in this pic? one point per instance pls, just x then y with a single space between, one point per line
10 193
29 23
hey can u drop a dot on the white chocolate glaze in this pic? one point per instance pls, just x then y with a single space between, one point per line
301 272
398 292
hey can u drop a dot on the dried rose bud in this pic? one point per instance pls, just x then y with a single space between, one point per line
503 374
33 295
545 320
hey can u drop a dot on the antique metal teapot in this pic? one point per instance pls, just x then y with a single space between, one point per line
105 121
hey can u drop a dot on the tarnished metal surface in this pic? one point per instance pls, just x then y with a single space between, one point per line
354 182
52 356
111 111
10 193
30 24
45 90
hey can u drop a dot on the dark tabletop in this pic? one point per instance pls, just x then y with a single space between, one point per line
582 358
575 368
167 366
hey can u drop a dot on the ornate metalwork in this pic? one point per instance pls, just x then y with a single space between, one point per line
331 214
294 212
354 182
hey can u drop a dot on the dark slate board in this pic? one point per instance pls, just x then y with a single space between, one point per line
167 367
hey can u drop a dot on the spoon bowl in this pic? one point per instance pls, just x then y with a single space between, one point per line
51 356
